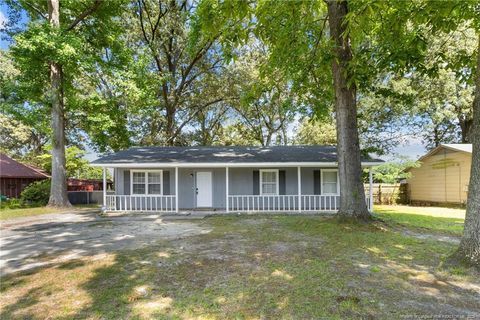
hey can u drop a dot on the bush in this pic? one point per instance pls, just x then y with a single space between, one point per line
36 193
11 204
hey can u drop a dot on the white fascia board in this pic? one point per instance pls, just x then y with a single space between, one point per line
226 164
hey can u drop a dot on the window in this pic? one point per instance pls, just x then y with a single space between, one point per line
146 182
268 182
138 182
154 182
329 181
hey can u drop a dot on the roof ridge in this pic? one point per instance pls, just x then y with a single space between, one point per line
227 154
12 168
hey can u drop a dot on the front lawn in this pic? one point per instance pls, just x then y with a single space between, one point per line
256 267
433 219
6 214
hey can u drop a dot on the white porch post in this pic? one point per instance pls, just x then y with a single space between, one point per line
104 189
176 189
226 189
370 189
299 181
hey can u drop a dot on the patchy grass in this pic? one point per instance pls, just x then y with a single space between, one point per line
440 212
275 267
6 214
442 221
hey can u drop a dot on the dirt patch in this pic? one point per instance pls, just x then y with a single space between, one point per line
429 236
58 242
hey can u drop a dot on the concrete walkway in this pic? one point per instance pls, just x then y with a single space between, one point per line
41 240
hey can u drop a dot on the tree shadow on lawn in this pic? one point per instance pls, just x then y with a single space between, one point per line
283 267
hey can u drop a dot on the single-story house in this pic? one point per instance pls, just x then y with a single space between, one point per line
15 176
173 179
443 175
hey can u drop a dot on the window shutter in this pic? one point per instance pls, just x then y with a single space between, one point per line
316 182
256 182
281 182
126 182
166 183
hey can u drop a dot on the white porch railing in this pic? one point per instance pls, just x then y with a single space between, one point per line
318 203
369 204
312 203
263 203
140 203
252 203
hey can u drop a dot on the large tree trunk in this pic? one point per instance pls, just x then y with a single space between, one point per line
170 125
352 193
466 128
469 249
58 190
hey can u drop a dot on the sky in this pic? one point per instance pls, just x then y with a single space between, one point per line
3 19
412 148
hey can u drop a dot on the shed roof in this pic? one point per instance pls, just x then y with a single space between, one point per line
10 168
465 147
229 155
461 147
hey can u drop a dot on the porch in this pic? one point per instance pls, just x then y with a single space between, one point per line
229 189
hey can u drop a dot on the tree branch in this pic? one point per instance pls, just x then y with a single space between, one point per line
34 8
85 14
198 109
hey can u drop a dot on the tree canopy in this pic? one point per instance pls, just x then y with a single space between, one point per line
150 73
112 74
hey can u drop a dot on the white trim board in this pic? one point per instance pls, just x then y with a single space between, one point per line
226 164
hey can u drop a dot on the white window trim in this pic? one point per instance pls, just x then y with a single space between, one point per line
321 182
276 180
146 183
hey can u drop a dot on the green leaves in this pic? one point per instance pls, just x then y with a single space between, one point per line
394 171
267 58
41 44
77 165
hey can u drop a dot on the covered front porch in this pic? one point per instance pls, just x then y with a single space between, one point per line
227 189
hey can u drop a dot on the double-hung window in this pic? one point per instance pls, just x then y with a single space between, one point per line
329 181
268 182
147 182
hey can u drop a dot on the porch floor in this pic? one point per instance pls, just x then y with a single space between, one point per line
200 214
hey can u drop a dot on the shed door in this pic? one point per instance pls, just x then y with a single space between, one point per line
204 189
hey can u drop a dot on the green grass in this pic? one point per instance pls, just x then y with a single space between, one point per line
420 220
275 267
6 214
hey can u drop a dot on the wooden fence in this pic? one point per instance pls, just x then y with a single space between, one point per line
384 193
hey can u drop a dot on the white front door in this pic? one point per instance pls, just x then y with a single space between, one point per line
204 189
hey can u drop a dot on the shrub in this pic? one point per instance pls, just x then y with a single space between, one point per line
11 204
36 193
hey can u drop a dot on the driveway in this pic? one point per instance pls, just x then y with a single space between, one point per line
30 242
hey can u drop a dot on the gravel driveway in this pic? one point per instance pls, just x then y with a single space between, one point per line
30 242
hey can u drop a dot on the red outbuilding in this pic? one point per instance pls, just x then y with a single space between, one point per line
15 176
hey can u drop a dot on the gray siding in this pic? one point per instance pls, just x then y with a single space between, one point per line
241 180
219 188
186 188
307 180
240 183
118 181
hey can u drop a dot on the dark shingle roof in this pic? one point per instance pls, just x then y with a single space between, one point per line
232 154
10 168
